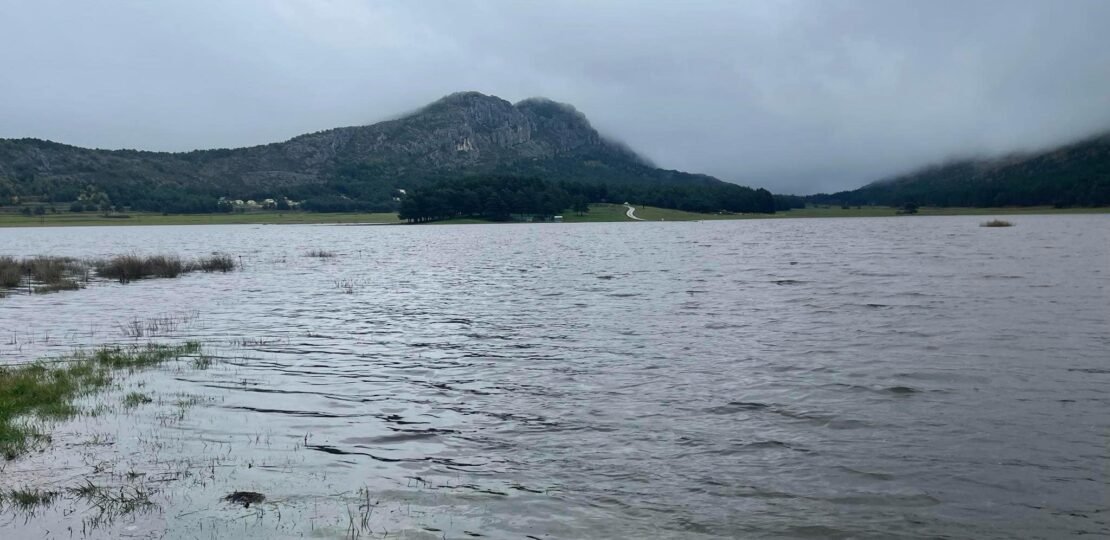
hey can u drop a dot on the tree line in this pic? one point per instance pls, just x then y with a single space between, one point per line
499 198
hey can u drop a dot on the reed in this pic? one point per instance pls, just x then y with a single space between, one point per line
127 268
216 263
11 272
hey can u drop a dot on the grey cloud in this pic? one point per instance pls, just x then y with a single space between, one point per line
797 96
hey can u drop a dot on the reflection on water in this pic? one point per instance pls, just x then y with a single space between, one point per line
903 377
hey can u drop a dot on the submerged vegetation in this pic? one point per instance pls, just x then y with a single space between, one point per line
47 391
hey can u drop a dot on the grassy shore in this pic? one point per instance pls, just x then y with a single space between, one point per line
598 213
41 392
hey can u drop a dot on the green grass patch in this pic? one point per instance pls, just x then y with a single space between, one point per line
43 391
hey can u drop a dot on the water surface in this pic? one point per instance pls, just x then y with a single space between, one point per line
901 377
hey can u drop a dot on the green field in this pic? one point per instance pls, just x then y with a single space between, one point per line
600 212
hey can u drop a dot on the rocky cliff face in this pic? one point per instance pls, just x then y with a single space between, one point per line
460 132
463 133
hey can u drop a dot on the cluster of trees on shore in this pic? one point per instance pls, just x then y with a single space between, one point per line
498 198
495 198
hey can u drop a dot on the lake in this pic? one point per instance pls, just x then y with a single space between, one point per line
903 377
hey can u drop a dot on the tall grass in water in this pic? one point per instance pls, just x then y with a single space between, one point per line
996 223
52 269
219 262
50 273
127 268
47 392
11 272
320 254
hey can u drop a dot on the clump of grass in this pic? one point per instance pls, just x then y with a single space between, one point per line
51 273
996 223
126 268
203 362
155 326
27 499
320 254
11 272
134 399
48 391
216 263
113 502
51 269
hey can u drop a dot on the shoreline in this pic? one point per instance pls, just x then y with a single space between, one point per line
599 213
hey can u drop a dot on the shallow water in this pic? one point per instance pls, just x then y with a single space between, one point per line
901 377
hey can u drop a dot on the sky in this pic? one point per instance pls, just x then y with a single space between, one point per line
798 96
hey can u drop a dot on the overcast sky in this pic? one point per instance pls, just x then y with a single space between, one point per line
795 96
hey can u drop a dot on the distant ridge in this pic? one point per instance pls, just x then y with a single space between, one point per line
466 133
1076 174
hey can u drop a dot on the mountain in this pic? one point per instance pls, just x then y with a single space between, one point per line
460 135
1077 174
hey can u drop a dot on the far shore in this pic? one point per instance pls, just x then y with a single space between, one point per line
599 213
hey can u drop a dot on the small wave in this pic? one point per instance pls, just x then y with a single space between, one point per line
737 406
901 390
885 499
868 474
773 444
